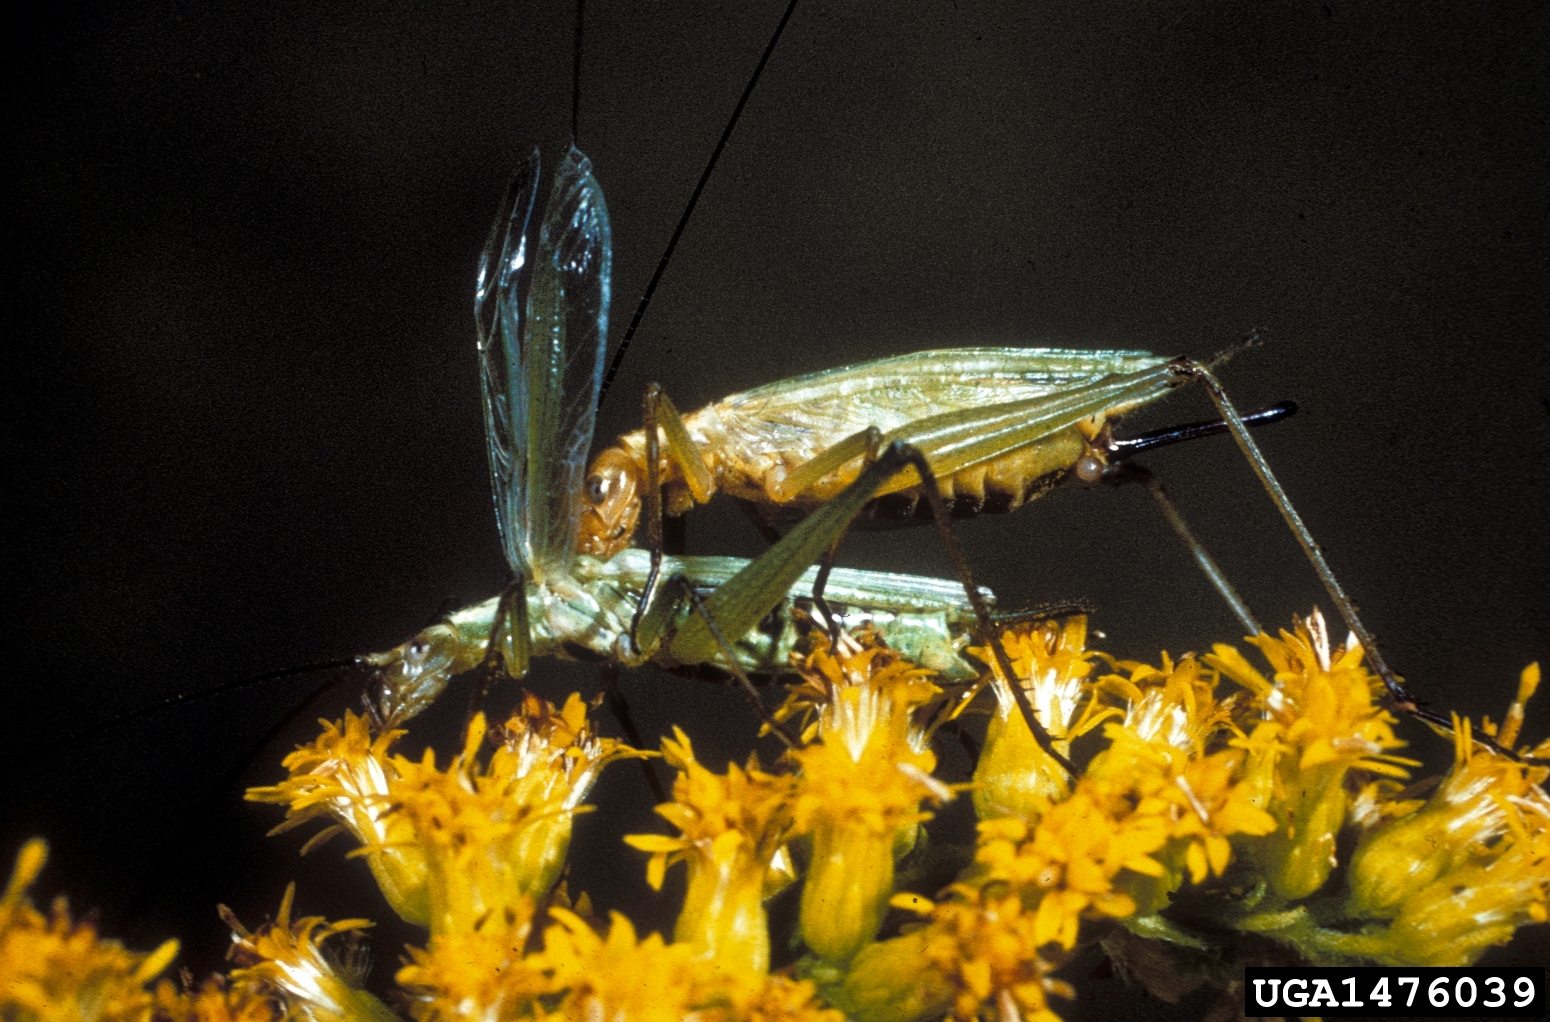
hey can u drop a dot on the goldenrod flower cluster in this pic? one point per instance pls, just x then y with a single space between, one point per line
55 970
1231 811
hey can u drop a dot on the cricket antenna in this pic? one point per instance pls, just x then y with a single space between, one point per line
179 700
195 821
575 73
683 221
1253 339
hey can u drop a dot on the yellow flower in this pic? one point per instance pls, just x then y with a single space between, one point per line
1469 866
860 789
1158 754
345 775
1065 866
216 1000
53 970
289 959
496 835
450 847
731 827
980 950
1507 734
1051 664
1211 809
1453 920
1173 707
479 973
620 977
1326 721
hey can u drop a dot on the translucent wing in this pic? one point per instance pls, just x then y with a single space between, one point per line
806 414
503 269
549 306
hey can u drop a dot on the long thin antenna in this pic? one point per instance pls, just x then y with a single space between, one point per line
683 221
575 73
118 720
195 821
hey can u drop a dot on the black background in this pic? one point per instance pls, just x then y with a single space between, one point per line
244 420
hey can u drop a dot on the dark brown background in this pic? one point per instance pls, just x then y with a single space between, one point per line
246 429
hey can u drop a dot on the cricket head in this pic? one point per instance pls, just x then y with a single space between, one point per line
408 678
610 506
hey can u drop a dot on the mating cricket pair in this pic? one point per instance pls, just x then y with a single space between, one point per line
948 432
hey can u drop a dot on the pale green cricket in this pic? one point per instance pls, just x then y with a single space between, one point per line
981 421
542 306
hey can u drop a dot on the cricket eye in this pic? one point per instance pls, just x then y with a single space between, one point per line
597 488
1089 468
417 649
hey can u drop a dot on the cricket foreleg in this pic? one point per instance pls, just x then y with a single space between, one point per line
984 625
507 651
658 412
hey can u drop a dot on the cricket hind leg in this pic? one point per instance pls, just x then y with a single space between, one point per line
1192 370
1237 425
872 442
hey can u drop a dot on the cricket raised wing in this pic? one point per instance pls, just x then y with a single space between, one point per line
541 305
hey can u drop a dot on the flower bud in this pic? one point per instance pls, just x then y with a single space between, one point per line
847 888
893 981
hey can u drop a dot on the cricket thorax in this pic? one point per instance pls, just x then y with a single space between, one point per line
582 618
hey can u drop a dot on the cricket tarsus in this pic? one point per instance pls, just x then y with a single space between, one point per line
694 198
1445 726
1043 612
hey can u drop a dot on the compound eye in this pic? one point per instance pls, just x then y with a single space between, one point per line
417 650
597 488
